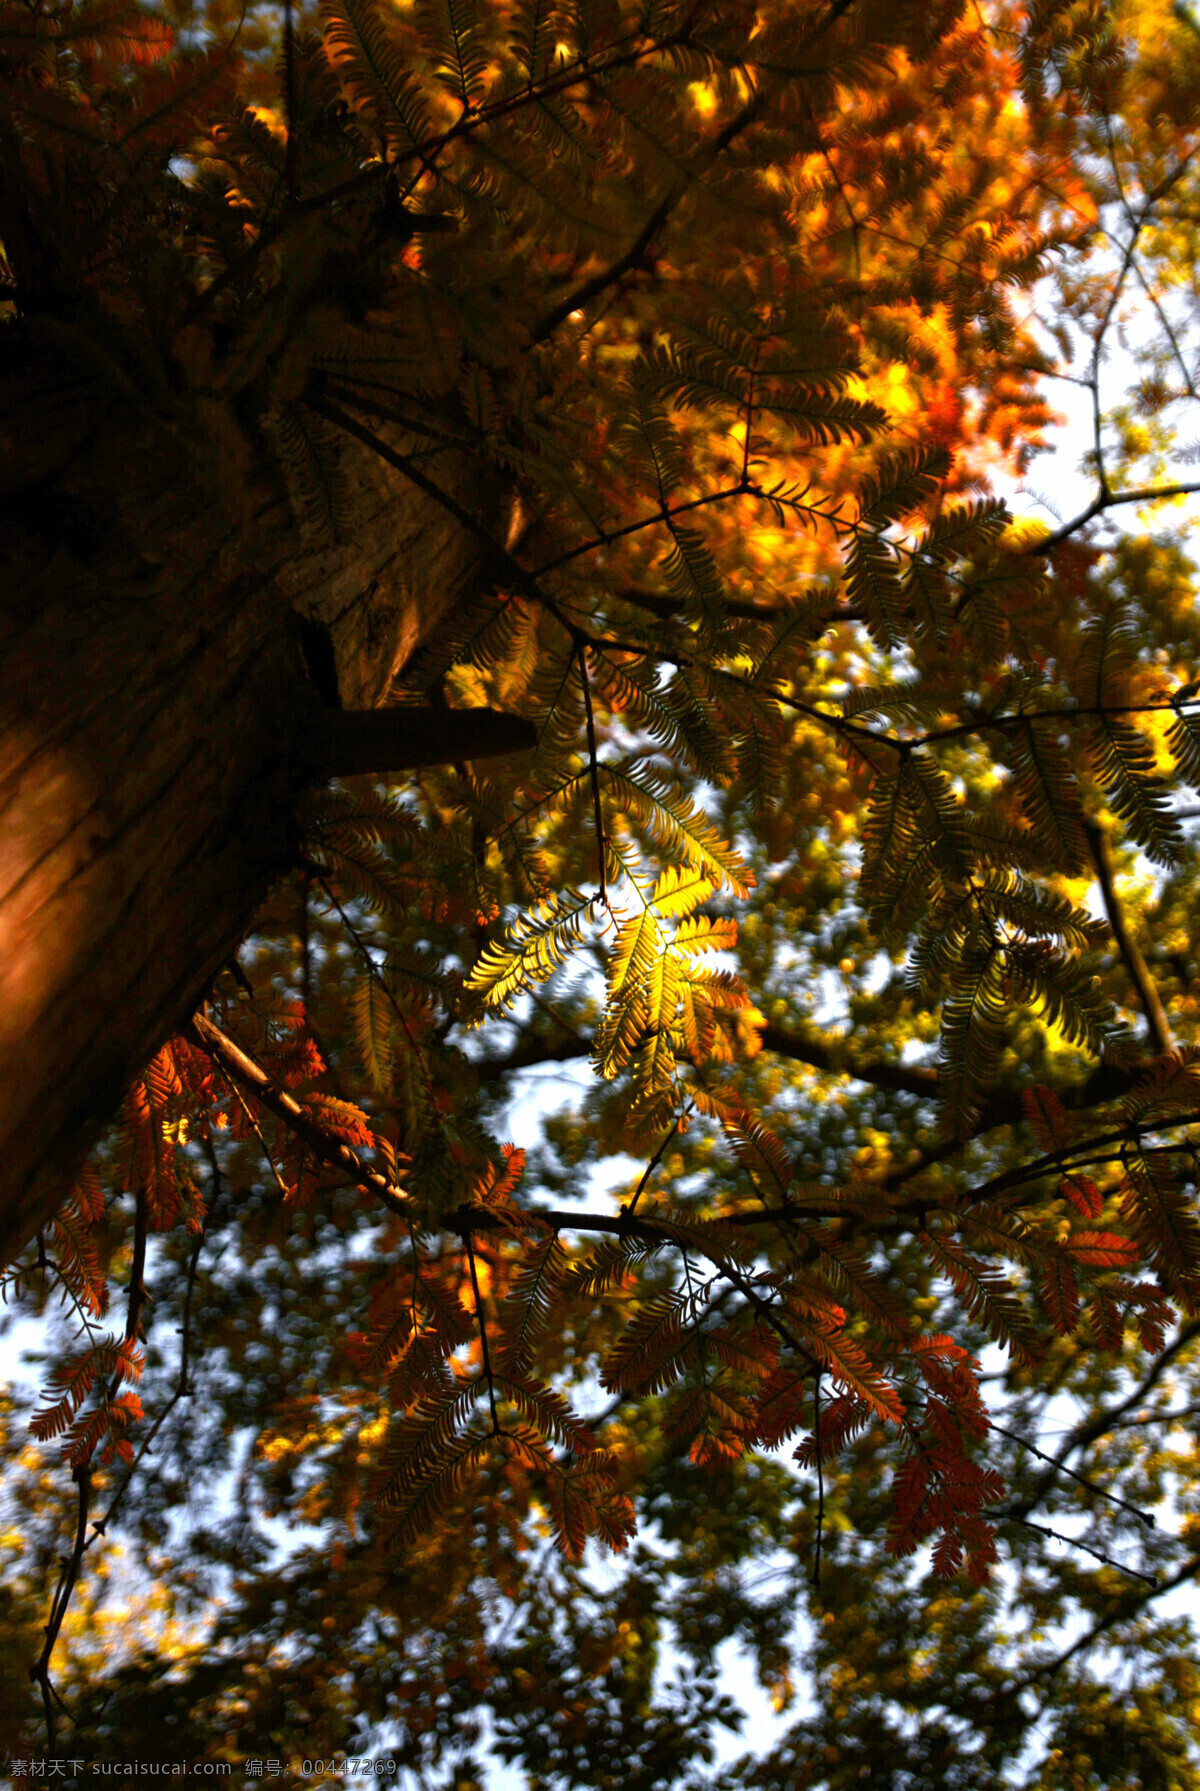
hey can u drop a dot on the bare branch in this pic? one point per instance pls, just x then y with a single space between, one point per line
1107 500
1150 1579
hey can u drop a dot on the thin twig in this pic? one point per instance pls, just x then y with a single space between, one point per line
594 769
39 1672
1131 953
654 1162
1102 1422
251 1121
137 1271
633 259
815 1572
1150 1579
374 972
1060 1467
483 1336
181 1388
1122 1607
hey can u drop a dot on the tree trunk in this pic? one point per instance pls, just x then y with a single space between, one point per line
154 714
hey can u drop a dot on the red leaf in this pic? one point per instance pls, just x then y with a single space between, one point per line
1060 1291
1102 1250
1083 1194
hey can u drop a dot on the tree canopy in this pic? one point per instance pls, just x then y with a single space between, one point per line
712 1075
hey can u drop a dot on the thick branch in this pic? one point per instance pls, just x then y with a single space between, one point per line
1003 1106
900 1078
633 259
384 740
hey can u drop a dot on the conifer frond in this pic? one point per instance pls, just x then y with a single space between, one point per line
369 50
373 1020
392 1320
651 1353
849 1366
874 583
583 1503
746 1348
959 531
973 1021
989 1228
433 1470
309 455
784 1405
1067 995
856 1284
362 875
532 948
77 1257
1183 738
691 572
703 933
645 704
725 1245
606 1268
548 1413
696 1024
1162 1217
677 893
896 703
653 1060
1060 1295
675 824
1035 911
759 1150
820 418
1002 584
525 1313
940 1491
643 429
1170 1085
712 1419
73 1378
345 1120
843 1417
723 366
902 483
1049 1118
420 1372
636 958
1124 762
1048 791
987 1294
1102 1249
446 1311
453 39
532 35
1107 650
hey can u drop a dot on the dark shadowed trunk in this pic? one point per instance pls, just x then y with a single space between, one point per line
155 716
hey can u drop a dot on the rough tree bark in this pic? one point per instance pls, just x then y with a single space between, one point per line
156 720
